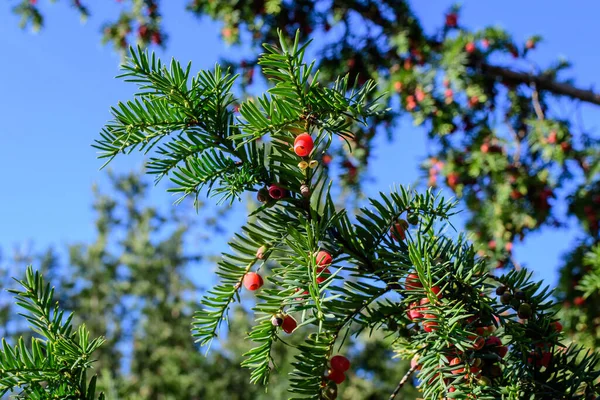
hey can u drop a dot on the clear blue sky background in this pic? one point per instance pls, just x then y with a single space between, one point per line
56 88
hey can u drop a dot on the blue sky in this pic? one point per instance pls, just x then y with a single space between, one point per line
57 87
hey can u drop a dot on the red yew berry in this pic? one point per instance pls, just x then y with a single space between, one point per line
323 274
326 159
530 44
412 282
470 47
473 101
508 247
502 351
253 281
336 376
303 145
452 20
485 43
478 343
493 341
557 326
340 363
398 86
579 301
452 180
552 137
276 192
323 258
398 230
484 148
156 38
448 93
414 311
289 324
419 95
437 291
454 362
492 245
430 324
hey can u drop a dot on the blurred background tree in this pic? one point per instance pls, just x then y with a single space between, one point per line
137 272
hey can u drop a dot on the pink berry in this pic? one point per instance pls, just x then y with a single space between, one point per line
253 281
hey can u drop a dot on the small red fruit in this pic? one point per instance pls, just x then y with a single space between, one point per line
485 43
340 363
552 137
276 192
452 180
398 230
508 247
412 282
398 86
253 281
530 44
478 343
470 47
451 20
413 312
430 324
323 274
437 291
454 362
557 326
336 376
324 258
289 324
419 95
303 144
579 301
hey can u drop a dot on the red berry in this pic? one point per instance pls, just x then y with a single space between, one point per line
303 144
289 324
579 301
323 274
485 43
340 363
557 326
324 258
478 343
413 312
456 361
452 179
470 47
398 230
437 291
336 376
493 341
398 86
419 95
412 282
253 281
430 325
508 246
276 192
552 137
530 44
502 351
451 20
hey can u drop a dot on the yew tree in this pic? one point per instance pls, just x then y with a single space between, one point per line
497 139
395 266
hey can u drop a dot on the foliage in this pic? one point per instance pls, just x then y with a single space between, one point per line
496 135
56 362
381 268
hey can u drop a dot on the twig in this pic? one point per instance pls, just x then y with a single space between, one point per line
535 98
403 381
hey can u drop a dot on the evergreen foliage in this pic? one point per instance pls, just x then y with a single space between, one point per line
382 268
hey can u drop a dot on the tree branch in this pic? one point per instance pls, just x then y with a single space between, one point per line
402 382
542 82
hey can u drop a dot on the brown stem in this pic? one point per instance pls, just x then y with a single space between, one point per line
402 382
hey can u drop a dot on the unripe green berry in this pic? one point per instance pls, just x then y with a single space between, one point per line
413 218
524 311
506 298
